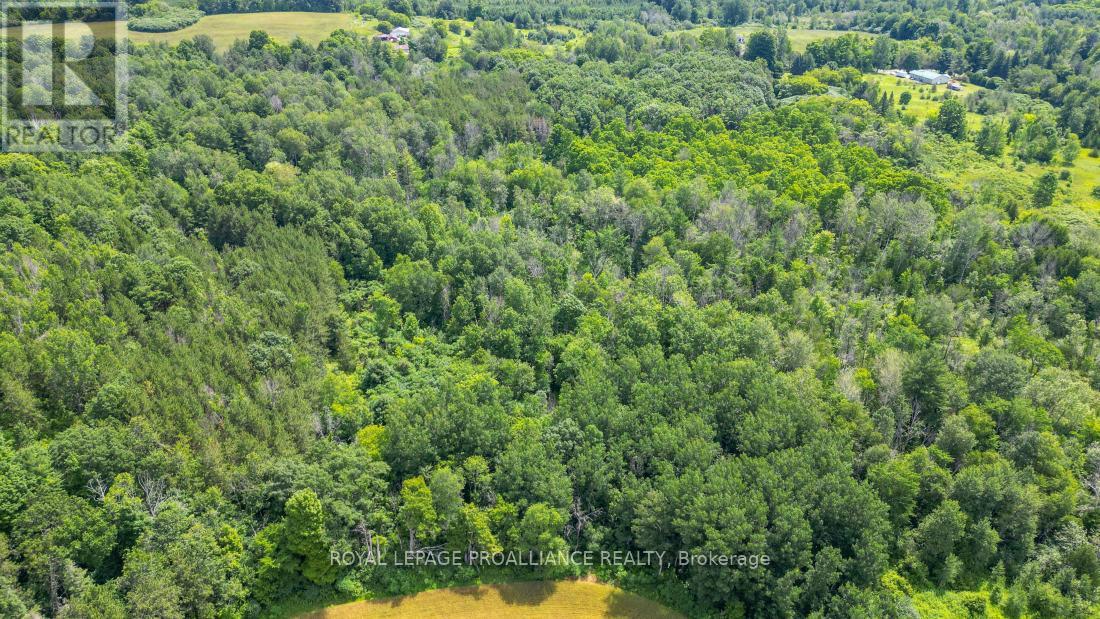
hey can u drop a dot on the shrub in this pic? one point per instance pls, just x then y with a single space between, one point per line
397 19
791 86
165 19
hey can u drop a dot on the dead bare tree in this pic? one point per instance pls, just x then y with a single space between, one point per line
97 488
155 491
366 536
579 518
1092 480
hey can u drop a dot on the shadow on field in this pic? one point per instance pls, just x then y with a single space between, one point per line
516 594
565 599
623 605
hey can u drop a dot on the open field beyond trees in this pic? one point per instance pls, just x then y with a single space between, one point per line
282 26
226 28
926 99
521 600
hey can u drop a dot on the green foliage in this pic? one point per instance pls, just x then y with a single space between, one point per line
621 298
163 18
791 86
951 119
417 509
304 530
431 44
540 527
211 7
1046 186
762 45
735 12
849 50
990 140
493 36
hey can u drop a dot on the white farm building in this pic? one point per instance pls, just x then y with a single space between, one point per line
926 76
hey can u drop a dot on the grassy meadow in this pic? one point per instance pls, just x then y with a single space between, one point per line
963 168
926 99
799 37
226 28
1084 176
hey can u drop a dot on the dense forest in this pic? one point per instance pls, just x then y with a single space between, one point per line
661 291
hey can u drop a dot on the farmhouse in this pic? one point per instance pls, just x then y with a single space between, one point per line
398 35
926 76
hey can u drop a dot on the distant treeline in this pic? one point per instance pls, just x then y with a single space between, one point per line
16 16
259 6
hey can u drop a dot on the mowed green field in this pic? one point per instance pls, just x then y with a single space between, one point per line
227 28
802 37
926 100
522 600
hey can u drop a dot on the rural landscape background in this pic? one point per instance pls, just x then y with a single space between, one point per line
718 277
